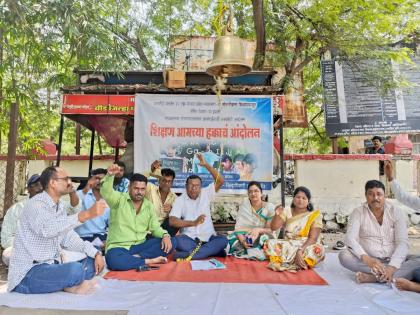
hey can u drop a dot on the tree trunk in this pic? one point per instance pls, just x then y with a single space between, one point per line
11 157
48 99
100 145
258 15
2 111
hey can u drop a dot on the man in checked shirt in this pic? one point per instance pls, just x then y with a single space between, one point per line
44 230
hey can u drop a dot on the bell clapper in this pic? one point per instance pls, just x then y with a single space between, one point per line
219 87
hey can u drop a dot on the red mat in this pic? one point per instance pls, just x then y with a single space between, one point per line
237 271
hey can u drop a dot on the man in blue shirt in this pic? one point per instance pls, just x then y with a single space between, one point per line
93 228
120 182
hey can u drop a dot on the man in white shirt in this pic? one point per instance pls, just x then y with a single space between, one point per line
377 240
11 219
414 203
191 213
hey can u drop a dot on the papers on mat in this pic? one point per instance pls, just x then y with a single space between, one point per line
211 264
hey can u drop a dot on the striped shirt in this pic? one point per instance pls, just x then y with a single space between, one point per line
43 230
153 194
365 236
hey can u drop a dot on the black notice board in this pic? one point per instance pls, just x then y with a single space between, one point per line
175 164
355 107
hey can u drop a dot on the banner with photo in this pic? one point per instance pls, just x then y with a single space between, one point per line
233 133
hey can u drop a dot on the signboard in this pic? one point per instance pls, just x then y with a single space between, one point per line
175 164
98 104
355 107
234 135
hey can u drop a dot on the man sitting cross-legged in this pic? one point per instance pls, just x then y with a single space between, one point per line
413 202
44 230
132 216
377 240
191 212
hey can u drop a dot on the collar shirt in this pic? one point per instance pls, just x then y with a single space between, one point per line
126 227
93 226
43 230
378 151
365 236
189 209
153 194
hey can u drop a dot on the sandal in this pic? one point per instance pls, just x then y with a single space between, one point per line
339 245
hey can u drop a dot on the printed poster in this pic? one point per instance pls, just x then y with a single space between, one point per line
233 133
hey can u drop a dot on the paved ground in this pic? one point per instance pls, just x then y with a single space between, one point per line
329 239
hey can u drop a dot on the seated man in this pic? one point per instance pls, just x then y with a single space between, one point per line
414 203
44 230
120 182
191 212
10 220
161 196
94 228
377 240
132 217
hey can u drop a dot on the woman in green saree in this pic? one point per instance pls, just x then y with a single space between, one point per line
301 248
253 225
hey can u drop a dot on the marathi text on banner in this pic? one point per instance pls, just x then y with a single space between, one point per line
233 136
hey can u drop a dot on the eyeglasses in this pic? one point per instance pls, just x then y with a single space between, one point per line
67 178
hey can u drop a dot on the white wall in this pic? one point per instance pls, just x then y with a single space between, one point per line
77 168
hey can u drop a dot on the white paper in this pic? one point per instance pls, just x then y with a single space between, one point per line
211 264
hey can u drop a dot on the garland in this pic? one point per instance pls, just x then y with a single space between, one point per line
190 256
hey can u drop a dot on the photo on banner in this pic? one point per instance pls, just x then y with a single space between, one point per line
234 135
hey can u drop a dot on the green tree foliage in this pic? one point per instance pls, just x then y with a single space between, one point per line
42 41
303 31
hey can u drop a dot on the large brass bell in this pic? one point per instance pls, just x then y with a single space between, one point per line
228 55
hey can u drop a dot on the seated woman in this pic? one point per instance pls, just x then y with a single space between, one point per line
301 248
252 222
